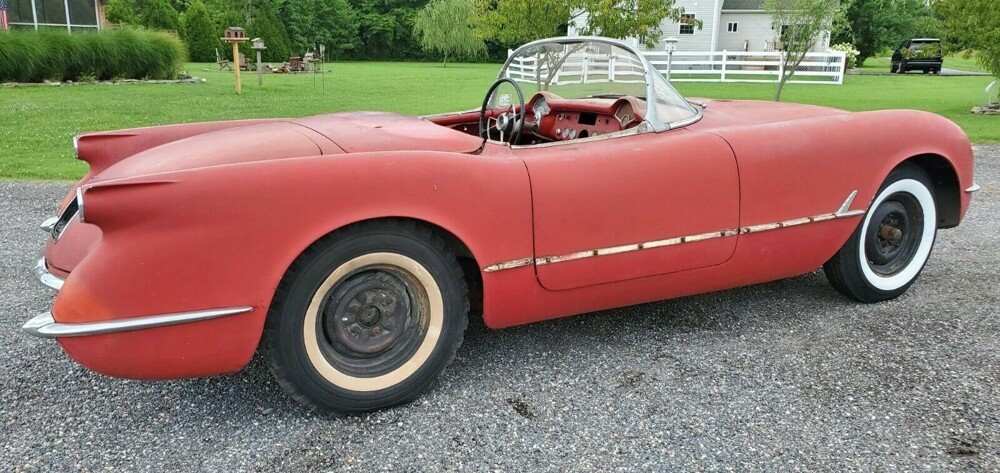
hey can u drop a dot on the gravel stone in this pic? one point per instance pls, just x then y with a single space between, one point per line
781 376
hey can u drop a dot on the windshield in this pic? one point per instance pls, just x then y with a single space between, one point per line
577 68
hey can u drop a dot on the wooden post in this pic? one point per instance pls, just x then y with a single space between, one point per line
235 35
236 62
260 70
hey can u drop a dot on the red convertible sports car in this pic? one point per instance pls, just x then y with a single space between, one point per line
351 248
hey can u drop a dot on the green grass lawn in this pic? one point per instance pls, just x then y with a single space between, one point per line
37 123
951 61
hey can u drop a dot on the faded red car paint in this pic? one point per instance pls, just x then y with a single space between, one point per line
188 217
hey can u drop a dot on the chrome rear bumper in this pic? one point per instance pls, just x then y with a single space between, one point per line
43 275
44 326
41 268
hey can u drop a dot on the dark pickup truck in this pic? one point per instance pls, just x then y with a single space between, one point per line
923 54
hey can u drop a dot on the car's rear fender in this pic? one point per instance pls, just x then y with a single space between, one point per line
102 149
225 236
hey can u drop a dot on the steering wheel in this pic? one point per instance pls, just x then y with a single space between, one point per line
508 122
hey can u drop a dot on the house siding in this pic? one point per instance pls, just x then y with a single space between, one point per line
754 31
703 39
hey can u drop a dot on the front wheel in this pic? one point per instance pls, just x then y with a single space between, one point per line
367 318
888 250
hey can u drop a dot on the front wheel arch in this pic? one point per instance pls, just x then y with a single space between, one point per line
947 191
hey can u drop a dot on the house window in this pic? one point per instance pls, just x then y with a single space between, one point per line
687 23
69 14
733 27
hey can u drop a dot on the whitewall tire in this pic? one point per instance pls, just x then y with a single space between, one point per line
892 243
367 318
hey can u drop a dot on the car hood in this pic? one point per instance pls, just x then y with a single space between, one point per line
720 114
292 138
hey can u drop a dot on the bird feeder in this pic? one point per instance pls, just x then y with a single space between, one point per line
670 45
258 45
235 35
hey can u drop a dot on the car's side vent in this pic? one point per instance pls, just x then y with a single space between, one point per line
67 216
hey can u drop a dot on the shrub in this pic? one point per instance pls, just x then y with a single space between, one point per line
851 53
26 56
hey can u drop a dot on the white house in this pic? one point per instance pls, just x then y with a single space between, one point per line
727 25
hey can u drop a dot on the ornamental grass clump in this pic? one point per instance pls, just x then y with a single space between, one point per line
27 56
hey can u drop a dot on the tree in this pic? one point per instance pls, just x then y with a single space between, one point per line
514 22
121 11
159 15
799 24
202 33
332 23
385 29
630 18
444 26
260 19
873 25
976 26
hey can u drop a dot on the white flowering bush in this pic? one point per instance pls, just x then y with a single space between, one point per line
848 49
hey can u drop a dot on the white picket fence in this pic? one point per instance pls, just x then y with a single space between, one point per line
686 66
741 66
580 68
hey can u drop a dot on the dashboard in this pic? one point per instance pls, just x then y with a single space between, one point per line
550 118
554 118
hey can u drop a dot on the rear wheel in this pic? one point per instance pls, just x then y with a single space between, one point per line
367 318
892 243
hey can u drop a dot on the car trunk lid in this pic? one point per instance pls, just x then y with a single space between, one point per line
362 132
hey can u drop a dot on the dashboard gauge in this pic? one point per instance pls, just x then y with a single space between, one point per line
541 109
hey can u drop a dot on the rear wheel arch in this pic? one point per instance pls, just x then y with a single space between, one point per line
426 255
466 259
947 191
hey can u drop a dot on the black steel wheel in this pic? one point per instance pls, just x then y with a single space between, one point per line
892 243
367 317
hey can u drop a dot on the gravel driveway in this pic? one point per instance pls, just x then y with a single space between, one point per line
781 376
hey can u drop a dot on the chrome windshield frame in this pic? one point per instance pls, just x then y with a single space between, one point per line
651 117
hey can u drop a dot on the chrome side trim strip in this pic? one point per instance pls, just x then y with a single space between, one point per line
49 224
508 265
798 221
846 206
43 275
612 250
44 326
843 212
973 188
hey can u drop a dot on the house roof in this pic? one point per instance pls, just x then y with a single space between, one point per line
743 5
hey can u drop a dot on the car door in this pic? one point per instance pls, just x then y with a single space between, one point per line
614 209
